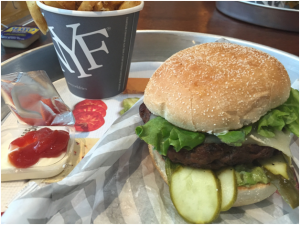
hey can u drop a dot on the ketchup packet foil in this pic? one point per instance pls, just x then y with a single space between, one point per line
34 100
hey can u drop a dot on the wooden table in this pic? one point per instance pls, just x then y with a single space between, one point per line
200 17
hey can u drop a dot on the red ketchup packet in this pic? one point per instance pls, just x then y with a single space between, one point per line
34 100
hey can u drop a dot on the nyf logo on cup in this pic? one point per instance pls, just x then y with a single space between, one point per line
81 42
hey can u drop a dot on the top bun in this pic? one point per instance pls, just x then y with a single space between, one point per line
215 87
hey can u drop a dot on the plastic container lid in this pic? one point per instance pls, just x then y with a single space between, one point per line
19 36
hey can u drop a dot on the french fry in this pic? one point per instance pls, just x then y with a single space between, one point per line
87 5
37 16
107 7
112 5
99 6
92 5
53 4
67 4
116 3
129 4
77 4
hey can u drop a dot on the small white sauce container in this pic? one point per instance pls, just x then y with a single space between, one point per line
19 36
44 168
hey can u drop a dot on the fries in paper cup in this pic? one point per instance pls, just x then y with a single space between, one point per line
92 5
94 43
78 6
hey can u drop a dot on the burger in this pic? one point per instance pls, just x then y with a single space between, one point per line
219 118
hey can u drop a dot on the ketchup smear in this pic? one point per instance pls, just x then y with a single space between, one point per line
44 143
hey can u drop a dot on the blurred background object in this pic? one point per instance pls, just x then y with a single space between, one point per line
280 4
192 16
283 15
14 13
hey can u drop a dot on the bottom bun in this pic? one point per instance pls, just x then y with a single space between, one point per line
246 195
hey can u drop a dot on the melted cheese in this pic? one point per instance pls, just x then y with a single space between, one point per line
281 142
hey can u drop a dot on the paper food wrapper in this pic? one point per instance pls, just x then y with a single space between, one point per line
116 182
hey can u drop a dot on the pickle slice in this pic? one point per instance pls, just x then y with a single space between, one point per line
281 176
228 183
170 169
276 165
196 194
286 188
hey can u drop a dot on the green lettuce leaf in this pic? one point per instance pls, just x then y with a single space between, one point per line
161 134
236 137
285 116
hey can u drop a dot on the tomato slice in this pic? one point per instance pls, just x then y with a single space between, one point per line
90 108
88 121
97 102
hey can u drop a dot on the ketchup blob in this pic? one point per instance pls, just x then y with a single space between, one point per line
44 143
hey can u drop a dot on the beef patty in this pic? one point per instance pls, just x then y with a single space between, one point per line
214 156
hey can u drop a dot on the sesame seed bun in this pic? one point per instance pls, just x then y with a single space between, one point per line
246 195
215 87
